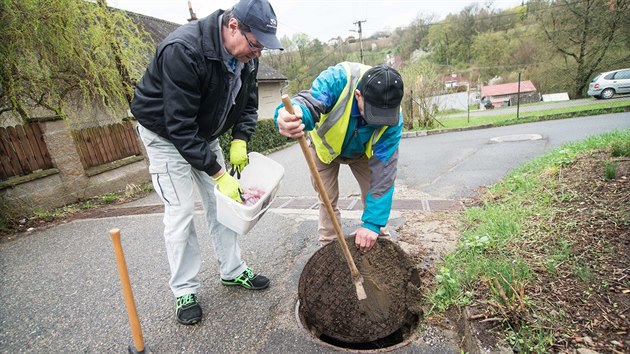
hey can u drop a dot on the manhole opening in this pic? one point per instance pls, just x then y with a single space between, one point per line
328 307
401 337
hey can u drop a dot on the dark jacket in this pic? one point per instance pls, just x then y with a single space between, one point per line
183 89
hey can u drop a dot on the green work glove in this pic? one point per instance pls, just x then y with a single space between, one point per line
229 186
238 156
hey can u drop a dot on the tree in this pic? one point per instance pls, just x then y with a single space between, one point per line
422 83
442 41
501 53
413 37
57 54
451 40
304 58
491 51
585 33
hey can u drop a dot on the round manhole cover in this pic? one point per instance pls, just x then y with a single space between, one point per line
516 137
328 299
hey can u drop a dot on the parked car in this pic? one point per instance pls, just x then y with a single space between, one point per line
606 85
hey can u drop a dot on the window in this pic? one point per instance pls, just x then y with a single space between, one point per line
624 74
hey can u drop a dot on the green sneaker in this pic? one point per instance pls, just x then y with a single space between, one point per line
188 310
248 280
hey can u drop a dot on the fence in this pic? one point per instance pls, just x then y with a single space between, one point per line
45 164
22 151
100 145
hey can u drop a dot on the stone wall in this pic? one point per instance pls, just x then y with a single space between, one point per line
269 97
69 182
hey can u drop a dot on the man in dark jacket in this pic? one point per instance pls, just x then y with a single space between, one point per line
200 84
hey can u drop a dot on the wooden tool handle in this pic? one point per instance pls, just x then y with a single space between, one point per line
322 192
134 321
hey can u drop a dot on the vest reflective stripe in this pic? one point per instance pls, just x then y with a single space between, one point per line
332 127
369 151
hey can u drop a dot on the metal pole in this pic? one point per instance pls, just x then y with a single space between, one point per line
468 99
518 96
411 106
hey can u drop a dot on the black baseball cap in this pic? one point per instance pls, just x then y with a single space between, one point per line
259 16
382 90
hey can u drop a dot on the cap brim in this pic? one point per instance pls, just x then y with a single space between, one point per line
268 40
381 116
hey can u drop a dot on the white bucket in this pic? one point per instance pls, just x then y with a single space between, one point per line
261 173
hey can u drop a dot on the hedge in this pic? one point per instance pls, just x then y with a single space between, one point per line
265 138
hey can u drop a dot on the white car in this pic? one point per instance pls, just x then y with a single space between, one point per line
606 85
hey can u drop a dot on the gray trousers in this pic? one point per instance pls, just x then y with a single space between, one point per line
329 173
174 180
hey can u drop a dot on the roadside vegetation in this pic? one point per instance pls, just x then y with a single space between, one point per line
18 218
542 262
76 54
603 107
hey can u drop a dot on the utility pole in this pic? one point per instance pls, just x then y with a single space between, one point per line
193 15
358 23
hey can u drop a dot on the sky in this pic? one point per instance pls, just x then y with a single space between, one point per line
321 19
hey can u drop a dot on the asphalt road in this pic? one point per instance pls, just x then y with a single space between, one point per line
60 290
454 165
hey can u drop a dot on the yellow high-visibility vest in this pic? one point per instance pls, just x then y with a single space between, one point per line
330 131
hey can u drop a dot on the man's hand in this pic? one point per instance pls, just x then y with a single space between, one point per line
364 239
238 155
290 125
229 186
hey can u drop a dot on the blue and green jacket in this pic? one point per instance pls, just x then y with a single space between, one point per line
326 115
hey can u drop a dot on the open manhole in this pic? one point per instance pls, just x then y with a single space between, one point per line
328 306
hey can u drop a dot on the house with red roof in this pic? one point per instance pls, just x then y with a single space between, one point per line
508 94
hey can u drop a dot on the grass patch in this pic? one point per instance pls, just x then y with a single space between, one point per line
604 107
610 170
620 149
18 218
509 235
11 215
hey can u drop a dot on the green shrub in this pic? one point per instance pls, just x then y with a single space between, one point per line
10 214
610 170
264 139
620 149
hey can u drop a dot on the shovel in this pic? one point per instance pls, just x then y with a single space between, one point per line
356 276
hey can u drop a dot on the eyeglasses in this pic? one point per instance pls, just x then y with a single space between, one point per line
252 46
